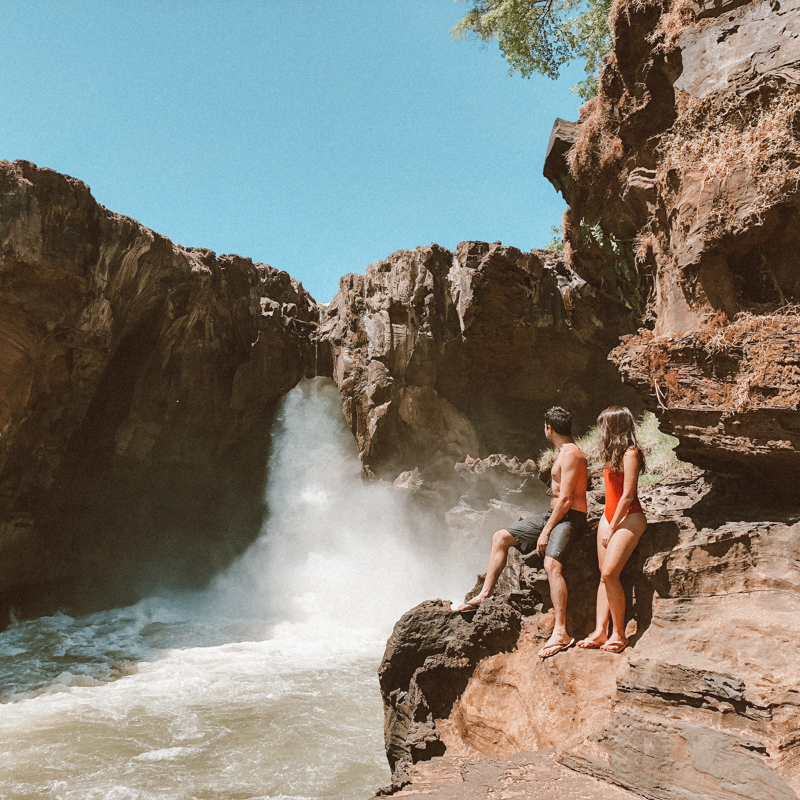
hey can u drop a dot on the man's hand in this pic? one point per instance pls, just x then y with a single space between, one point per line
541 543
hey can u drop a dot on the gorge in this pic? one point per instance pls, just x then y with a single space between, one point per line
150 392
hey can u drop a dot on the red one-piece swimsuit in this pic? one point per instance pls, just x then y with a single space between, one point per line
614 484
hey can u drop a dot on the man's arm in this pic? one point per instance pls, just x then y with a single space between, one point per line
570 474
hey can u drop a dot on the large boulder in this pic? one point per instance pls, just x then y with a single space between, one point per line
138 378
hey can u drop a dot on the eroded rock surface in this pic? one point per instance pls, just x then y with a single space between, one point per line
522 775
683 192
137 379
701 704
442 355
428 661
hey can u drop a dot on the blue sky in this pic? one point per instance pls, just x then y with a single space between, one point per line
317 136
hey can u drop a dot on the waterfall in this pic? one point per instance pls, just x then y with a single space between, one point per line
264 685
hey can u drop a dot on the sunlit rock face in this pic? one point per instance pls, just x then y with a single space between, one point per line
137 378
441 355
701 704
682 180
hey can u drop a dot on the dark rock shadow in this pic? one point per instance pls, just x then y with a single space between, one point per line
128 529
734 498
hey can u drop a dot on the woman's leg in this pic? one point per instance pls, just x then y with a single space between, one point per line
618 551
600 633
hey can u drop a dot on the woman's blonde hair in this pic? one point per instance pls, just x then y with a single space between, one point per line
617 435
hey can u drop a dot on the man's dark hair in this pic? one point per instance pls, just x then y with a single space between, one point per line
559 420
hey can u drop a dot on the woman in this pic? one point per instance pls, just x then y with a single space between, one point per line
621 525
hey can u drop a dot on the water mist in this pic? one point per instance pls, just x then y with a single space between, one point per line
263 686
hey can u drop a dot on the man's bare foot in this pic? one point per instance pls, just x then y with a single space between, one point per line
555 644
615 645
594 641
471 604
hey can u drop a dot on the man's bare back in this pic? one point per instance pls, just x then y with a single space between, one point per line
566 521
570 468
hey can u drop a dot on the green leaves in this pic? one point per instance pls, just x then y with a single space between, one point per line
556 244
542 35
620 276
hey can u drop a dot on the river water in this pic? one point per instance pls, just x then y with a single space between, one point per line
262 686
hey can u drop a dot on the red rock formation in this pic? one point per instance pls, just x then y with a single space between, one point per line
682 180
702 704
441 355
527 775
135 379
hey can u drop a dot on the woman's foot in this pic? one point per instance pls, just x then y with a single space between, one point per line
615 645
594 641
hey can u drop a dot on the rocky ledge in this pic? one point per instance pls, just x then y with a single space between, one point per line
703 703
441 355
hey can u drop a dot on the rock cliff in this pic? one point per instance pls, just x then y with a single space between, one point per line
702 704
440 355
137 379
682 182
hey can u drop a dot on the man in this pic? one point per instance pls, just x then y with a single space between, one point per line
550 534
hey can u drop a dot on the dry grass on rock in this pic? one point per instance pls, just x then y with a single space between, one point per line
597 146
676 17
747 364
726 133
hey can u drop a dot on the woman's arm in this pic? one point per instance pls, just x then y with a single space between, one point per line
630 468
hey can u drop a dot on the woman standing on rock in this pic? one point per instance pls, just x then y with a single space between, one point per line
621 525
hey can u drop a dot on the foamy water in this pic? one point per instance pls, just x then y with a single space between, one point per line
265 685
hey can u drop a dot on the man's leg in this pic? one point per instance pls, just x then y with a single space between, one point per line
502 541
558 594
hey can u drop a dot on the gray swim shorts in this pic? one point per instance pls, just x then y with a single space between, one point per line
527 532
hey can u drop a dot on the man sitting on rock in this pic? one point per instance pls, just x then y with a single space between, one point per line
550 534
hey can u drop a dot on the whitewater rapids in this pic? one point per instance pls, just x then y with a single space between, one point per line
263 686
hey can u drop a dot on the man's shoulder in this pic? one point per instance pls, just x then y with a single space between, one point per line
572 452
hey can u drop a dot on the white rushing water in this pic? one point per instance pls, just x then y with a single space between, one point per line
265 685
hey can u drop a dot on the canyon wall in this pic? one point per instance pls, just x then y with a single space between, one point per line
137 383
441 355
682 180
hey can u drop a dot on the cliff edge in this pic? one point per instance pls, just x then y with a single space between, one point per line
137 383
682 185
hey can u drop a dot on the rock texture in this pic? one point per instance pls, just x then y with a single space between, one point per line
702 704
428 661
137 379
523 775
682 183
442 355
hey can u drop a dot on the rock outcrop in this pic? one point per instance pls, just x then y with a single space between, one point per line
682 180
442 355
702 704
137 379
